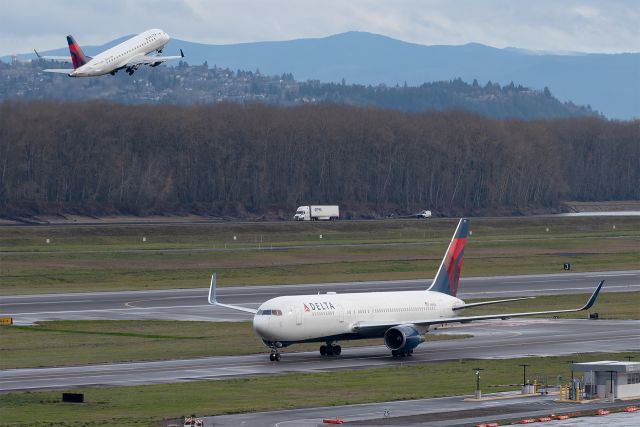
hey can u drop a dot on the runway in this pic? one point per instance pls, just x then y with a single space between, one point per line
491 340
191 304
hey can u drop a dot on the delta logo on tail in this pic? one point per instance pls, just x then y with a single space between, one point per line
454 263
77 56
448 275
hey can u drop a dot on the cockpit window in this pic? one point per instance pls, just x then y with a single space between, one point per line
269 313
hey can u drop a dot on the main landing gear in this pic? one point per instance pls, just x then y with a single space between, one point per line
403 353
330 350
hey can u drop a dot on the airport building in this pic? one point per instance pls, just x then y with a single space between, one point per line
610 379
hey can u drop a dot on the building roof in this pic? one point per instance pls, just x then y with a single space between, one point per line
607 365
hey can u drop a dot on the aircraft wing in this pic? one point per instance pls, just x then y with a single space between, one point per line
152 59
478 304
213 301
362 326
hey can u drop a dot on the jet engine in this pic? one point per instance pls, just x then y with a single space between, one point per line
402 339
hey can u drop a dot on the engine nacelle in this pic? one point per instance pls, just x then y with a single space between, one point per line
402 338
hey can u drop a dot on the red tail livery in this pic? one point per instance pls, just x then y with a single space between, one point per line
77 56
448 275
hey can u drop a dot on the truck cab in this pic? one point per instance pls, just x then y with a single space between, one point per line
302 214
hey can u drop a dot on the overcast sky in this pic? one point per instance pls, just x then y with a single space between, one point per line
548 25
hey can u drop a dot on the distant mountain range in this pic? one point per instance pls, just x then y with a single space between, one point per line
609 83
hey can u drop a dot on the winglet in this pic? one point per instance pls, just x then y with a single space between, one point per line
593 297
212 290
181 53
37 54
213 301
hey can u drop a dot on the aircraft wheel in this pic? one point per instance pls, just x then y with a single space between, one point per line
337 350
272 357
323 350
329 350
277 357
394 353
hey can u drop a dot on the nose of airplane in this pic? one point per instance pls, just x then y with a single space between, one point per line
260 325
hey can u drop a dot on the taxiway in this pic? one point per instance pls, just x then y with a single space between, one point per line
191 304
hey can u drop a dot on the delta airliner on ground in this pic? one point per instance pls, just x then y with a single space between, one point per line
128 55
400 318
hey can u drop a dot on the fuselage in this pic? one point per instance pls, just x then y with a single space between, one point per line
326 317
119 56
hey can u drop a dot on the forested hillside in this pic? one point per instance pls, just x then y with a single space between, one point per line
191 85
227 159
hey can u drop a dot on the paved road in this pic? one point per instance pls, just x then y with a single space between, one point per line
430 412
492 339
190 304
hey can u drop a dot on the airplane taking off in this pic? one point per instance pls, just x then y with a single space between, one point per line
128 55
400 318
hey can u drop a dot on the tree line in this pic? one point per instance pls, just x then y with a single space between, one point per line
491 100
227 159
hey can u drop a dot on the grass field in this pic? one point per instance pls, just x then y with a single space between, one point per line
64 343
114 257
150 405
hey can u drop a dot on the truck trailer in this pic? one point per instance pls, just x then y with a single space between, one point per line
317 213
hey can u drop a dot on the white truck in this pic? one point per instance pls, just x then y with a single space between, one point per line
317 213
424 214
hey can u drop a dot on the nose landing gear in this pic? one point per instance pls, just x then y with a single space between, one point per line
275 351
330 350
274 356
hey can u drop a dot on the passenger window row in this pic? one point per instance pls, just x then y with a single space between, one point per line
401 310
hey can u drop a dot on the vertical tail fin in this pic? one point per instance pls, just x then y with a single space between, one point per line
448 275
77 56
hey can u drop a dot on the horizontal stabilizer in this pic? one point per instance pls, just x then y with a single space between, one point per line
53 58
58 70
